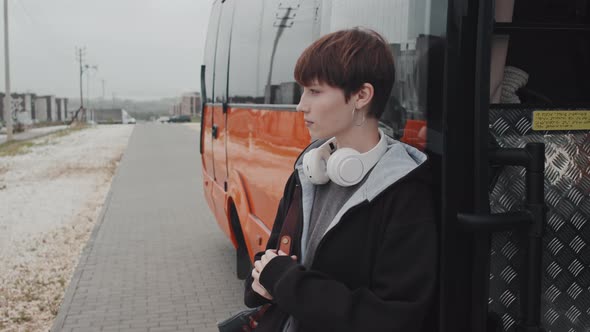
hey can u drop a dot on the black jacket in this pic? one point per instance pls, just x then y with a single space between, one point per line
376 270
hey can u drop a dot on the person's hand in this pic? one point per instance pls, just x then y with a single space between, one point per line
259 265
258 288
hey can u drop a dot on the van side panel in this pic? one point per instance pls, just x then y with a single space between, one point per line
207 156
220 165
262 147
218 141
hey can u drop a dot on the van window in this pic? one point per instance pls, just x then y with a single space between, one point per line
222 53
288 27
244 81
210 43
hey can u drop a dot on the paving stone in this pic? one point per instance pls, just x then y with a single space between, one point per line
156 260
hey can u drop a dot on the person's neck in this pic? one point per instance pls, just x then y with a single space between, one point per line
361 138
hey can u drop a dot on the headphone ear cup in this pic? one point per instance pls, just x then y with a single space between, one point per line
345 168
314 167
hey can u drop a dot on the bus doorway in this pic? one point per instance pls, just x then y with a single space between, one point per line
522 133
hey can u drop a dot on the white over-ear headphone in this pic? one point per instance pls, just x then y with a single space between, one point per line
344 166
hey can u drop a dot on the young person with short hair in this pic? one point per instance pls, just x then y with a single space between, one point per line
366 258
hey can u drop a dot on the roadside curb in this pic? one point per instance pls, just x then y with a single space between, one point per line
3 139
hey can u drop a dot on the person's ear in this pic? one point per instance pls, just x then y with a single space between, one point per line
364 95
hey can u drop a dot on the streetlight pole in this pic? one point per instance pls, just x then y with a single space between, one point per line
102 97
7 98
88 67
87 88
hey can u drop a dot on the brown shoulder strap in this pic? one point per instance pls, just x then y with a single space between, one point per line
290 224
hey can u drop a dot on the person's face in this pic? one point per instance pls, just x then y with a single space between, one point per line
325 110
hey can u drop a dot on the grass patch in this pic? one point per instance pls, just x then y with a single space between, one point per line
67 131
14 148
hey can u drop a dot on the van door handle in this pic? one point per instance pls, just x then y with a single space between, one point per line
215 131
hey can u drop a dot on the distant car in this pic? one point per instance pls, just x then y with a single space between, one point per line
163 119
180 118
129 120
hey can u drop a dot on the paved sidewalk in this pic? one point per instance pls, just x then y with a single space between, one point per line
156 260
33 133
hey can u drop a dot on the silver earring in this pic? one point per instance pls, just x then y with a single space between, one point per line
363 120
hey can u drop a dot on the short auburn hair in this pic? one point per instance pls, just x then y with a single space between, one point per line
347 59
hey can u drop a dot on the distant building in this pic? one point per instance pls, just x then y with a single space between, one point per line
190 104
62 109
22 108
45 109
29 109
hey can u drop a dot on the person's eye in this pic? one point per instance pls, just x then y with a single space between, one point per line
314 91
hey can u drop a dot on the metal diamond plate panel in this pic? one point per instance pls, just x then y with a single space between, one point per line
566 259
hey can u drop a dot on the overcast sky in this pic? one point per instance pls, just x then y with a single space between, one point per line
143 48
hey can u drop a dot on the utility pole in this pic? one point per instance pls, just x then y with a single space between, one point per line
7 98
80 53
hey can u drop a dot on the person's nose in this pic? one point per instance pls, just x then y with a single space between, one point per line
302 107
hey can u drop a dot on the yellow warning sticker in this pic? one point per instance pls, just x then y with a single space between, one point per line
561 120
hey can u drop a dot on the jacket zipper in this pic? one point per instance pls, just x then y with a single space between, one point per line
300 221
361 204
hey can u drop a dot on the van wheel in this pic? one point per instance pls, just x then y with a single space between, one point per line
243 264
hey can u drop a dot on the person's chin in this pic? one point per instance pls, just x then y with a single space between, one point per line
315 135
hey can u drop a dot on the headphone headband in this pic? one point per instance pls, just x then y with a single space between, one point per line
344 166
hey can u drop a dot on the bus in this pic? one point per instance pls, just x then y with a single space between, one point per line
496 92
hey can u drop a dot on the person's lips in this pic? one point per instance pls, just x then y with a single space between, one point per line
308 123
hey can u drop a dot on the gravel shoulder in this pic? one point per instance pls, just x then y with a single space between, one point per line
51 197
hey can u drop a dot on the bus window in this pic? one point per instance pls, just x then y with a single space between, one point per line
222 53
210 44
536 62
288 28
418 48
244 85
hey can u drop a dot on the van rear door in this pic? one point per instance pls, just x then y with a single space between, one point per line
219 111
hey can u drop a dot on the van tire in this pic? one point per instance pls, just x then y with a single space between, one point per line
243 264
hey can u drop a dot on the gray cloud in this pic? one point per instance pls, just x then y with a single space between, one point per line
143 48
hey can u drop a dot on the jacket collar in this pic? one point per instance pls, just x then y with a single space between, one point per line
399 160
